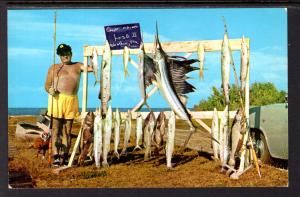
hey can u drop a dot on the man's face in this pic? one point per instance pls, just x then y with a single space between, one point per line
66 58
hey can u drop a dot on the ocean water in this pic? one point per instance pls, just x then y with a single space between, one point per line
38 111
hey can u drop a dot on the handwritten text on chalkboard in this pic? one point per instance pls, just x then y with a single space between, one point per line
119 36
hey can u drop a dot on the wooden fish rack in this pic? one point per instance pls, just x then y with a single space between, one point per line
188 47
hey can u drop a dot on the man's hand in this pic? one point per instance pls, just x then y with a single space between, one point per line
53 92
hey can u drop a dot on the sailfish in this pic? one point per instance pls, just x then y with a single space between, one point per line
169 72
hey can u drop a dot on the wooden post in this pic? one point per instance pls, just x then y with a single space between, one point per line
84 84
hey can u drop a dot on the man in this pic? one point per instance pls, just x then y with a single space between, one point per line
62 84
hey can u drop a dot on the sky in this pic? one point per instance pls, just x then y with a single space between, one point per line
30 48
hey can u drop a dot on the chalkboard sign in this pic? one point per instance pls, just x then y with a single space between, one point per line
119 36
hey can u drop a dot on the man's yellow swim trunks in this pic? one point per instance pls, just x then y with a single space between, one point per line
64 106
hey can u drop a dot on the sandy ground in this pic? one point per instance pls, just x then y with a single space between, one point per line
192 169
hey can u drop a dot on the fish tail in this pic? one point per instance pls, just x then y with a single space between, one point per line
96 81
137 147
126 72
116 154
201 74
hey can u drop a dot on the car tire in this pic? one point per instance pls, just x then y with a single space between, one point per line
261 147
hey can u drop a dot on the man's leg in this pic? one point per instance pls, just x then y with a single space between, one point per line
66 139
56 142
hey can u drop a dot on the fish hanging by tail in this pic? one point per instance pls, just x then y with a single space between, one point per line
200 52
139 131
94 64
117 123
107 136
98 137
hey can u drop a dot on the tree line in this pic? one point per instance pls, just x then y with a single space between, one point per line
260 94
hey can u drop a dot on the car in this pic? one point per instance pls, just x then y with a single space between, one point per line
269 130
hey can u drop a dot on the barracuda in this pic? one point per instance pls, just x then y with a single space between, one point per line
215 133
107 136
98 137
117 123
170 139
244 64
225 64
104 94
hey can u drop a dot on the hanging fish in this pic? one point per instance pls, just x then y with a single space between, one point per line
127 133
117 123
225 67
244 64
236 136
126 57
143 59
148 131
200 52
87 137
107 136
215 133
139 131
170 139
98 137
167 87
159 131
94 64
104 94
224 138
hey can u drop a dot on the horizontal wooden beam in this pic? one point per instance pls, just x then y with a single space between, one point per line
174 47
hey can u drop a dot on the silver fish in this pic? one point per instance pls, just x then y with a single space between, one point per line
148 131
224 133
244 63
94 64
170 139
98 138
215 133
141 73
165 86
117 124
107 136
139 131
200 52
126 57
105 77
225 64
127 132
236 137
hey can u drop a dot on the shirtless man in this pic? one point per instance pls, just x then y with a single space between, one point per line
62 84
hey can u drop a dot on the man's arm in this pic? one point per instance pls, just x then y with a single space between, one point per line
49 80
89 68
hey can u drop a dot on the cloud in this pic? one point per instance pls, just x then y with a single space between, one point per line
265 63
